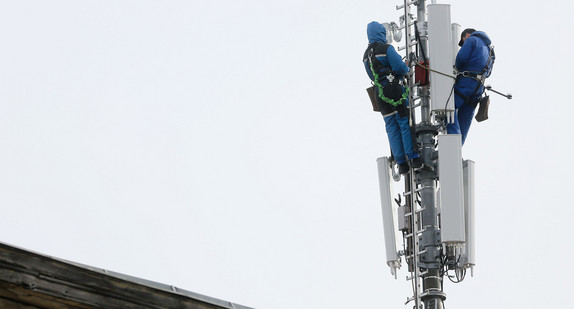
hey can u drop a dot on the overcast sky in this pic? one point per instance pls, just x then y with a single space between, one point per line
228 148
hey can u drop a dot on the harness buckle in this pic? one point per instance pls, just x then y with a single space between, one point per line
477 77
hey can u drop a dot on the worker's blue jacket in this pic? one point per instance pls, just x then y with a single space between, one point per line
388 61
473 57
474 63
397 125
376 33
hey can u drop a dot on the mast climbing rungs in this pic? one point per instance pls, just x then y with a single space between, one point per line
402 6
410 45
409 278
403 26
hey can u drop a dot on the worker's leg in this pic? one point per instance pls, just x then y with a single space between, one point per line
465 114
395 138
406 137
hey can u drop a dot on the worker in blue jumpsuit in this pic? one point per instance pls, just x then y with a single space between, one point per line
473 63
384 66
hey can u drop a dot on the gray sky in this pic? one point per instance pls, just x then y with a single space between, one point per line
228 148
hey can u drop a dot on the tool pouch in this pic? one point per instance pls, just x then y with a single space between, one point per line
482 113
373 97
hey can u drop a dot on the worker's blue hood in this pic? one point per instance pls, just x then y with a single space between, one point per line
376 32
482 36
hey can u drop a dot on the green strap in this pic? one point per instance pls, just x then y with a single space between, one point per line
380 87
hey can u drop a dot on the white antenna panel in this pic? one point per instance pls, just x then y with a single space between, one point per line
441 60
468 175
455 32
389 227
451 188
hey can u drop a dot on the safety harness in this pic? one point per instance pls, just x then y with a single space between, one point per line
480 77
379 71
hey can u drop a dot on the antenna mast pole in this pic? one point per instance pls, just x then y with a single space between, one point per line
426 250
430 262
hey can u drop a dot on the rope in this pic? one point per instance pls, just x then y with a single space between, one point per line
380 87
435 71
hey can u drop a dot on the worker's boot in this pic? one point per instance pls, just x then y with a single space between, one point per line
403 168
417 162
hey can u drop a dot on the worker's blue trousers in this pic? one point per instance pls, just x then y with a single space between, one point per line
400 138
463 115
464 111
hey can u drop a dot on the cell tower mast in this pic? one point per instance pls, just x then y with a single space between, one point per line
437 217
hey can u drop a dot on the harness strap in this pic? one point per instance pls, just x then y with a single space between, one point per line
467 99
478 77
376 66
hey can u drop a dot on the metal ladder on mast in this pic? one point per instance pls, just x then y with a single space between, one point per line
410 194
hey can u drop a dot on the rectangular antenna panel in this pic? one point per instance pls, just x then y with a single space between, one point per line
451 188
468 179
455 32
441 60
388 213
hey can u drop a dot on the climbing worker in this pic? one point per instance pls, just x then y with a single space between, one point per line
473 63
387 70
